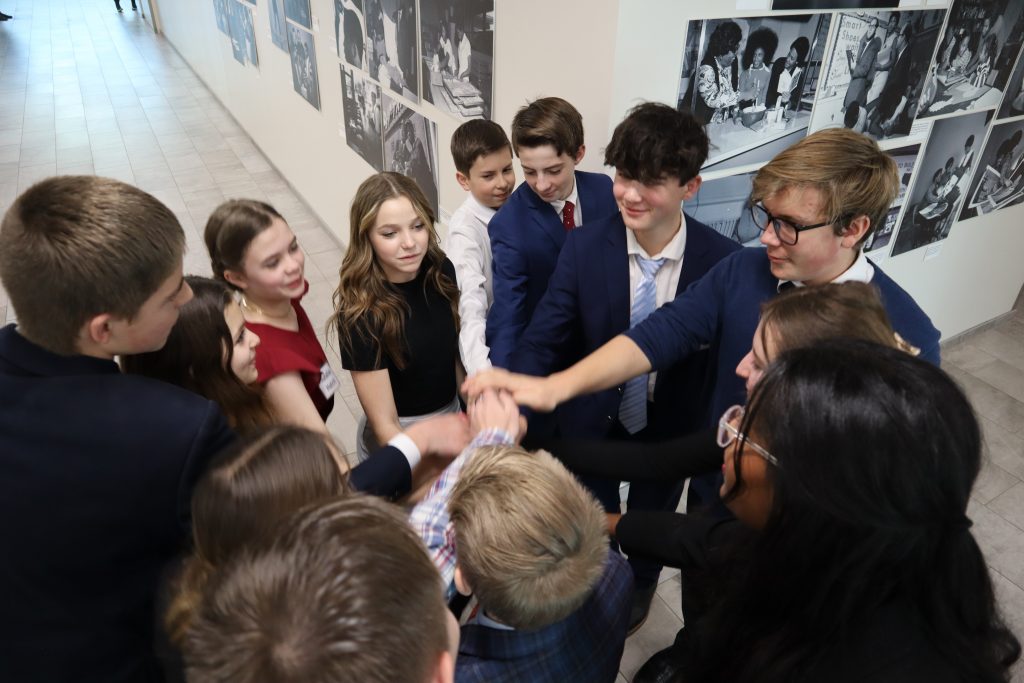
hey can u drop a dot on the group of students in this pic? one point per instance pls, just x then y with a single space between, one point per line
186 513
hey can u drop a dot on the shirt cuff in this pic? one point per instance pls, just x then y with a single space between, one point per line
491 437
404 443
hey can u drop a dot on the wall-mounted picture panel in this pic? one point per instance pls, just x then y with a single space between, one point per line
361 107
724 205
303 57
298 11
391 34
350 31
834 4
1013 100
941 182
876 70
906 159
410 146
278 25
999 180
753 82
978 50
220 12
457 42
243 37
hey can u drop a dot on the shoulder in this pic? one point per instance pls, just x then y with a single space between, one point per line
903 311
598 181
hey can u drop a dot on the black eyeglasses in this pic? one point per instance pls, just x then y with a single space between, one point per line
787 232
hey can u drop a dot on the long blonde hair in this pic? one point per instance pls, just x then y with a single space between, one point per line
364 299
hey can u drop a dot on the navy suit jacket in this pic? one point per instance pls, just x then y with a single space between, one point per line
587 304
96 477
585 646
526 236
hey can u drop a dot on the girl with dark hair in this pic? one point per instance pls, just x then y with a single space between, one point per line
757 54
252 249
718 75
786 73
210 352
396 311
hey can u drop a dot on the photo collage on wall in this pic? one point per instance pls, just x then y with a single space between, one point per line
926 83
234 19
410 146
457 41
302 50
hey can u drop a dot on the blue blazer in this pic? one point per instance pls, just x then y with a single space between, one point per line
587 304
526 236
585 646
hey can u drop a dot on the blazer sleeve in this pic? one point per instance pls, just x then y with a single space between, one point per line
672 539
213 436
386 474
550 331
507 317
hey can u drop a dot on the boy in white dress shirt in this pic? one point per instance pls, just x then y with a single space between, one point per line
483 163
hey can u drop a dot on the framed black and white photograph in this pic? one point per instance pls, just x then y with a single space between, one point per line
243 37
303 58
220 13
834 4
940 184
391 35
350 31
457 44
361 107
724 205
278 25
753 83
1013 100
298 11
876 70
975 57
410 146
881 238
999 180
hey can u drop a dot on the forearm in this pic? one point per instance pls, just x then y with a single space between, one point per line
612 364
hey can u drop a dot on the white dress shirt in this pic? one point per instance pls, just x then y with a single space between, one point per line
469 249
860 271
666 280
574 197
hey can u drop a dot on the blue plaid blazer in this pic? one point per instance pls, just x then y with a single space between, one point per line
586 646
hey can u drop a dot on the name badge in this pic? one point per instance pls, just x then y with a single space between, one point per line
328 380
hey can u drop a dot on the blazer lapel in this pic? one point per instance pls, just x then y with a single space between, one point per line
547 221
616 276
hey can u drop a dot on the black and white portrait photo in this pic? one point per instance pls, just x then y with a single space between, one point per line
876 71
361 107
303 58
881 237
220 13
298 11
457 43
243 37
752 83
975 57
724 205
391 36
940 184
350 31
1013 100
278 25
999 180
834 4
410 146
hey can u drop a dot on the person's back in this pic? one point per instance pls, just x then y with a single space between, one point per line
96 468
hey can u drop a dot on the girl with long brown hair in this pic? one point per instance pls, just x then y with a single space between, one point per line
396 310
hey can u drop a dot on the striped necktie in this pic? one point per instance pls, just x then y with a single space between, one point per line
633 409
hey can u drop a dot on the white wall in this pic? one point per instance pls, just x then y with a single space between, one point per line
601 55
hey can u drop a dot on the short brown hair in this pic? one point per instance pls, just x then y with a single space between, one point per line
530 539
854 176
474 139
74 247
231 228
345 592
548 121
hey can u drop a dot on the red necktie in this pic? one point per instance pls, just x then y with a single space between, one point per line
568 218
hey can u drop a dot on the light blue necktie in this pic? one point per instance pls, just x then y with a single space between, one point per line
633 409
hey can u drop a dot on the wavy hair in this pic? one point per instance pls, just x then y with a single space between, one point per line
365 303
197 357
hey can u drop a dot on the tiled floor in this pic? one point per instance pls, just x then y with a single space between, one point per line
86 90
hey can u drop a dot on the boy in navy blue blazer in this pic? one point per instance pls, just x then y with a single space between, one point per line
96 468
597 291
531 545
529 230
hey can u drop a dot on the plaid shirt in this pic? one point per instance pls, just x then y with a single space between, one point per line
430 516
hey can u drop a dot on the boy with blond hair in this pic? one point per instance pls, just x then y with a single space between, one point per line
96 468
483 167
530 541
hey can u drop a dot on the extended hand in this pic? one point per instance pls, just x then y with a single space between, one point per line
444 435
532 392
494 410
